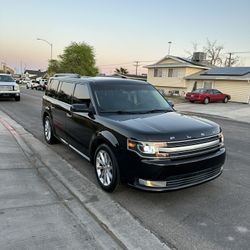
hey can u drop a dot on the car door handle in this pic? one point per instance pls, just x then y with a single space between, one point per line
69 115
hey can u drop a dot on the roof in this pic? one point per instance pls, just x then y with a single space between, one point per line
99 80
183 62
223 73
37 73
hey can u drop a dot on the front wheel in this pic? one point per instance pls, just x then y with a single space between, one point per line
48 131
17 98
225 100
206 100
106 168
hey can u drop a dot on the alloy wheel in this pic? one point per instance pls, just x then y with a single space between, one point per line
104 167
47 129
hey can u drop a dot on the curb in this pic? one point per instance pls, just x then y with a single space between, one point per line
211 116
126 230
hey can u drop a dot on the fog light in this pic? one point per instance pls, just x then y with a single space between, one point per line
152 183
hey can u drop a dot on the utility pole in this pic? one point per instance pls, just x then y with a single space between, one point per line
231 53
230 58
136 66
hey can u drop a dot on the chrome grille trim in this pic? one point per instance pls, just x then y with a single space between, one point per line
191 147
195 139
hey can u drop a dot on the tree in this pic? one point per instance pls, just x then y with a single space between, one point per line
215 54
76 58
121 71
213 51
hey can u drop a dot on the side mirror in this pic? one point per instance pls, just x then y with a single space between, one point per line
171 104
83 107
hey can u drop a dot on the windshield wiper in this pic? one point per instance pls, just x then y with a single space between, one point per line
119 112
158 111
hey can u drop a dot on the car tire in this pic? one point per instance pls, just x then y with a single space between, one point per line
192 101
48 131
106 168
225 99
17 98
206 100
27 87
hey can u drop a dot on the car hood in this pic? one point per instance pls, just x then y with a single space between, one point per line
169 126
7 83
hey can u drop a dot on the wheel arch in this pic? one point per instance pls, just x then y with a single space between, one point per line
103 137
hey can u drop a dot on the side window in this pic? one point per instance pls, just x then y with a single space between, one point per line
66 92
216 92
81 94
52 90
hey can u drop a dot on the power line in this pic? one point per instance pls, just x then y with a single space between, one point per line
125 63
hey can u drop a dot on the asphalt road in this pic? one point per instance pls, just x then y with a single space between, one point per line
214 215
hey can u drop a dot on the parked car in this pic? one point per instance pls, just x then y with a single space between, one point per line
131 133
42 84
207 95
72 75
9 87
33 84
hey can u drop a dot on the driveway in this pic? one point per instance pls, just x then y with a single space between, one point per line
236 111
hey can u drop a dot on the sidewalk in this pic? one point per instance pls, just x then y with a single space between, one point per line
235 111
46 204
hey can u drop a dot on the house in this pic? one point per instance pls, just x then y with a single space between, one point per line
142 77
168 74
6 69
234 81
34 74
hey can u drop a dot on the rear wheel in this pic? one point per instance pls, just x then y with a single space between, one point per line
225 99
48 131
206 100
106 168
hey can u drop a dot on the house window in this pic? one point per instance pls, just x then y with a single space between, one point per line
170 72
157 72
208 85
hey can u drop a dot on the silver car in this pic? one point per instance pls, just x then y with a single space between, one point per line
8 87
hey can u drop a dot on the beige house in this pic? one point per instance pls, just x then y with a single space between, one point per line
234 81
168 74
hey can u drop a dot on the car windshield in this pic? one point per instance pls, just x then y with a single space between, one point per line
200 91
4 78
129 98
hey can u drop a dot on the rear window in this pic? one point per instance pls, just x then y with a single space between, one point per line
200 91
52 90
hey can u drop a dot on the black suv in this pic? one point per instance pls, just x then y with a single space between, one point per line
131 133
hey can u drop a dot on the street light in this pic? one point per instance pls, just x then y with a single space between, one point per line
169 47
50 44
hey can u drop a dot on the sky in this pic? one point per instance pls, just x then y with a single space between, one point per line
120 31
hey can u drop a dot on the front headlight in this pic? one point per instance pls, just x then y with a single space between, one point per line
147 149
221 136
16 87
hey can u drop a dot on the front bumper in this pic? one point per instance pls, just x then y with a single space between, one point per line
164 175
13 93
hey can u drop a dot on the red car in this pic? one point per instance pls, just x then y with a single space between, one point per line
207 95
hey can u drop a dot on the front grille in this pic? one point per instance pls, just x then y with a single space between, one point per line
6 88
195 178
193 147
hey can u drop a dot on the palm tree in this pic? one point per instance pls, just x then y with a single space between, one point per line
121 71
